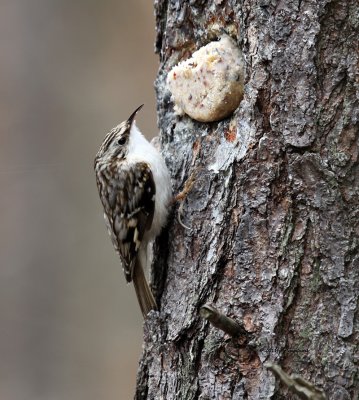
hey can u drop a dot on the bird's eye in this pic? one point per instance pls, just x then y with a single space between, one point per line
121 141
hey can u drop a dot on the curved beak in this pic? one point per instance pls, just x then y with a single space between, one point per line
133 115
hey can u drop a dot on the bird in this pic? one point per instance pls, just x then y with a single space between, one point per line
134 186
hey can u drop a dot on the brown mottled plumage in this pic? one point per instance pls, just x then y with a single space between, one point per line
128 171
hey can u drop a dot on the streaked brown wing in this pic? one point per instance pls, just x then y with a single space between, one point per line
130 212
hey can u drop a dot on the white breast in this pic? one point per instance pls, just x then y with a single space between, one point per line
140 150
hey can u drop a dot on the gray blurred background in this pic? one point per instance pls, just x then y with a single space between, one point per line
70 327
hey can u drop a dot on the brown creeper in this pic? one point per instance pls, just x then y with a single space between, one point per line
135 190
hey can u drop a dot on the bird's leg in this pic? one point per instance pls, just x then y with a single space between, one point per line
187 187
181 196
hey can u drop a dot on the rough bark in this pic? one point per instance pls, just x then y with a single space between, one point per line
274 210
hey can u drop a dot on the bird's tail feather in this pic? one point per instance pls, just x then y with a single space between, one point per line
143 292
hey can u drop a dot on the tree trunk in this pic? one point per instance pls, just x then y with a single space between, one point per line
273 214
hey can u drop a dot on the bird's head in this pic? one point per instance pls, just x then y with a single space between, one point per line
115 144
